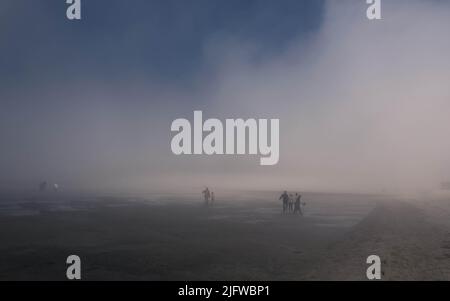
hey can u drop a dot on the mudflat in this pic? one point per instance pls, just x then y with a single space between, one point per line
249 239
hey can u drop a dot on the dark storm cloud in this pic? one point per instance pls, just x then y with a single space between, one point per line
90 100
160 39
363 106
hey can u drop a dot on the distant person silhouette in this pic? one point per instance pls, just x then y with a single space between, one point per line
298 204
291 202
285 198
55 187
212 197
43 186
206 195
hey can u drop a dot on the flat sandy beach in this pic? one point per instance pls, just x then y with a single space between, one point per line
239 238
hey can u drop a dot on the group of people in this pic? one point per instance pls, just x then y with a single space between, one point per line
208 196
292 203
43 186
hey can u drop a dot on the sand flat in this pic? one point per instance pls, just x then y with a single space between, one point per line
119 239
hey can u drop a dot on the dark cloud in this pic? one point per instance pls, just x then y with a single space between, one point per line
161 39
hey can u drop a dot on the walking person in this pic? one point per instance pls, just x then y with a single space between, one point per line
285 199
212 198
291 202
298 204
206 195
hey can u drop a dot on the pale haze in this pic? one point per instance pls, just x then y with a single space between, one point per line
363 105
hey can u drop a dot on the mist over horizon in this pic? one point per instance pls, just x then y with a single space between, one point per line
363 106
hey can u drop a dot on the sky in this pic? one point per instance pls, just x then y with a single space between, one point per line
363 105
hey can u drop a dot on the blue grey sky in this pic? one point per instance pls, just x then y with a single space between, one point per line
363 105
161 39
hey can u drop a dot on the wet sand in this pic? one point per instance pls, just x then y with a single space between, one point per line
247 239
410 244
